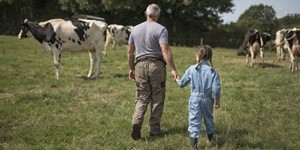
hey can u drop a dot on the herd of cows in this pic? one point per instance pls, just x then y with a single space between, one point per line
286 41
94 36
74 35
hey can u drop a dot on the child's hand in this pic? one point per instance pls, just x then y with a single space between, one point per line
218 104
177 79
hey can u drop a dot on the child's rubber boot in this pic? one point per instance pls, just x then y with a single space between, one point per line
211 137
193 144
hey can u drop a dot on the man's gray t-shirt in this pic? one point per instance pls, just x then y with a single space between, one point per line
146 38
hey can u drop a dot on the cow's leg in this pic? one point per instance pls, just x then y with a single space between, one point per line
293 64
292 59
283 53
93 60
296 62
247 58
279 53
296 58
108 41
252 56
98 53
56 58
114 47
262 54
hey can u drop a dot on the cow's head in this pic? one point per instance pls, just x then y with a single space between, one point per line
24 33
254 36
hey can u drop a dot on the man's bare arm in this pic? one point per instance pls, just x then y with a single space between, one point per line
168 56
130 57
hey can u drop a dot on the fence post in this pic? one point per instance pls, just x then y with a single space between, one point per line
201 41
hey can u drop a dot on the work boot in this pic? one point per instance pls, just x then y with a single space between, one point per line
154 134
136 132
194 143
211 137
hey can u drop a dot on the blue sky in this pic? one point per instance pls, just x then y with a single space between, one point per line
282 8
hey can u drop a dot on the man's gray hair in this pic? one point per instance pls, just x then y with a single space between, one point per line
153 11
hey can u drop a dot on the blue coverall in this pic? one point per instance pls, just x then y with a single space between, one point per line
205 87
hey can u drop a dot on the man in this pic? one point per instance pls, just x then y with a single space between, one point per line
148 44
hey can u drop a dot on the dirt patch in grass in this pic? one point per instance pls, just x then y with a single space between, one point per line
6 95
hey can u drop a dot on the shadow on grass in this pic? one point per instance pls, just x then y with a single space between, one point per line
104 76
171 132
237 137
85 78
121 76
268 65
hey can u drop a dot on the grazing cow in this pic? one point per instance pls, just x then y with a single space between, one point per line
57 35
254 46
243 47
117 34
292 38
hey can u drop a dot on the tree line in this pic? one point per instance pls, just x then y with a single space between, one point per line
186 20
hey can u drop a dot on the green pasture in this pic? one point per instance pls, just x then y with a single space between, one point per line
260 104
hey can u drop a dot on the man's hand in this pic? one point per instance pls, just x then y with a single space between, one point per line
132 75
218 104
175 75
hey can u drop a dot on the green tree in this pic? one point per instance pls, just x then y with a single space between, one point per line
82 6
261 17
6 1
290 21
184 18
204 13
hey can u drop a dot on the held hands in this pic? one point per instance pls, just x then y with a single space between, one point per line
177 79
176 76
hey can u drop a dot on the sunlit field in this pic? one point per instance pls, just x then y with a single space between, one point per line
260 104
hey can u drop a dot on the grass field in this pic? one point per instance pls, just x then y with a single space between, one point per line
260 104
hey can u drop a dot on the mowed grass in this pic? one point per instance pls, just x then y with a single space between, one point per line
260 104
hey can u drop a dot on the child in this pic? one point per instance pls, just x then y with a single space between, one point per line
205 88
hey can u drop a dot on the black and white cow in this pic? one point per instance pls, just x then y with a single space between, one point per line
292 37
265 38
117 34
254 43
253 46
57 35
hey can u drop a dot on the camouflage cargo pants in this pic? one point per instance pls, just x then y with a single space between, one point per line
150 78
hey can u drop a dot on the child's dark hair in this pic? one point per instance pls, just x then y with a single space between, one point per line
204 53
